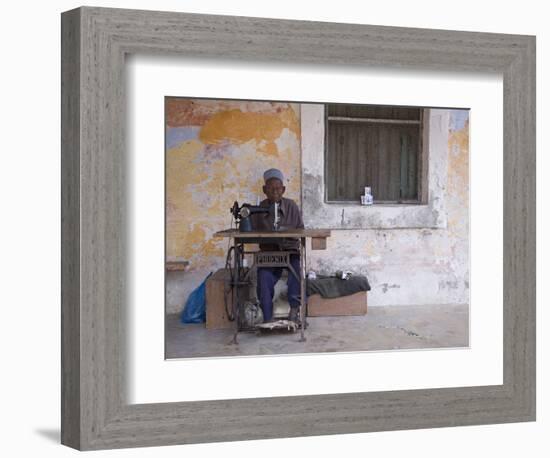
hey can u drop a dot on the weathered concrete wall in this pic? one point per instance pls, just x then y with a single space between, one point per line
217 151
410 264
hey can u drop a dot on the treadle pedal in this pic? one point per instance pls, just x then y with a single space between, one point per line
279 325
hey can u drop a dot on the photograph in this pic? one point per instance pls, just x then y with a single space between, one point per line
307 227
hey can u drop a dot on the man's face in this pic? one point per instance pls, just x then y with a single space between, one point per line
274 190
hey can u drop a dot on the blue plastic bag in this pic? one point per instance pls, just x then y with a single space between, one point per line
195 307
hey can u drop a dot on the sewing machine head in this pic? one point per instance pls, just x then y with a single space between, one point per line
243 213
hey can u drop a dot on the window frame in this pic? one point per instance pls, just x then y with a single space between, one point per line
423 155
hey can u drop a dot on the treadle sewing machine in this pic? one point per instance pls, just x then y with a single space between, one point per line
240 277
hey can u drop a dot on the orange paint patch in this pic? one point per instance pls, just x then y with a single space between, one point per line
271 149
240 127
291 121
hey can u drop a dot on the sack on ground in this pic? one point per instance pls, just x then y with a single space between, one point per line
195 307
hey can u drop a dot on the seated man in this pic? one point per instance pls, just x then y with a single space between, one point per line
290 218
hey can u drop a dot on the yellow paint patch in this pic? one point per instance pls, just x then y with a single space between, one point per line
458 183
195 236
213 247
458 163
179 164
370 248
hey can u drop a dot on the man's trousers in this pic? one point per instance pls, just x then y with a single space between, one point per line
267 278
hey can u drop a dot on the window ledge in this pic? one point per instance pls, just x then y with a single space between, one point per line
377 216
375 204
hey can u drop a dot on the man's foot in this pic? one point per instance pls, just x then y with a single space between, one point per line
294 314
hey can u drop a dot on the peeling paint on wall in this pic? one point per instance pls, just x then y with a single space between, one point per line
216 153
413 266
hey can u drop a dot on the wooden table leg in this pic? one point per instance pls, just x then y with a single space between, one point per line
302 289
235 295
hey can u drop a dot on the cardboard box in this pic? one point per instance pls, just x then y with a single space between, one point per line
352 305
216 289
216 316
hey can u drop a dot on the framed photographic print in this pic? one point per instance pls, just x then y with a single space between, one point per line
225 219
217 151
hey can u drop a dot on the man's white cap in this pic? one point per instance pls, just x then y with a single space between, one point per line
273 173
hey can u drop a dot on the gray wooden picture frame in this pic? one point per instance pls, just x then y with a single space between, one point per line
95 412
